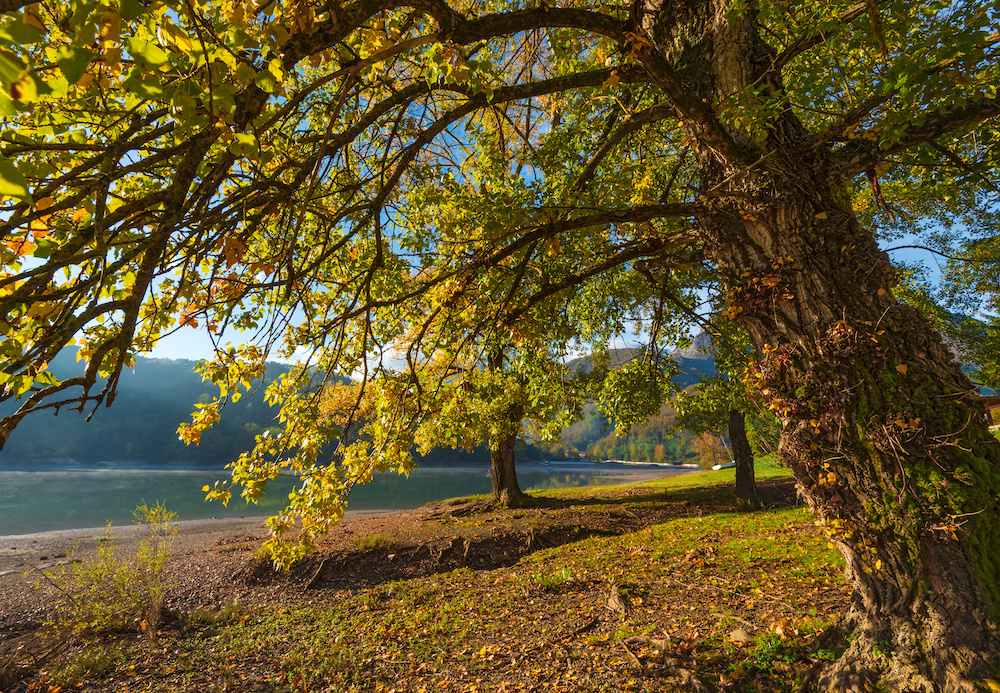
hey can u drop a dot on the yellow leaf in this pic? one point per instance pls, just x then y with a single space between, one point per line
902 368
33 16
110 27
881 292
821 215
612 81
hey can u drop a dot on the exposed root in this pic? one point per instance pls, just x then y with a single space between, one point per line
22 657
893 659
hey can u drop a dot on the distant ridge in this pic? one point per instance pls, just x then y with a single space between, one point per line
694 363
699 350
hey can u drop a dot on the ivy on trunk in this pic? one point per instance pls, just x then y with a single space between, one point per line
879 426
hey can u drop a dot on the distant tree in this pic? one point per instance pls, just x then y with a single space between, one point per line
720 404
710 450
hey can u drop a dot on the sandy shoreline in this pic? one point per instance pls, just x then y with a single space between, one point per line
20 552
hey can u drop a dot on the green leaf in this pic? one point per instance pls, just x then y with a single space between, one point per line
11 67
151 53
130 9
7 107
266 81
19 33
148 87
12 183
73 62
245 145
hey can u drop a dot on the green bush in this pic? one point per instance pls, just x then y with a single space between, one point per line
118 590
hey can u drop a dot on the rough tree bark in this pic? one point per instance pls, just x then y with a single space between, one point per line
879 427
746 487
506 491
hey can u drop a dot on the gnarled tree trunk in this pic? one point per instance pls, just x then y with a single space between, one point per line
746 487
879 428
883 439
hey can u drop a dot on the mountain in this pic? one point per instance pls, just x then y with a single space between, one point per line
694 363
656 439
699 350
153 398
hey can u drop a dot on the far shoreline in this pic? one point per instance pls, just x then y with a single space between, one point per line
57 541
39 550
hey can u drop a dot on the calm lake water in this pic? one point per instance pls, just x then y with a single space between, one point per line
39 501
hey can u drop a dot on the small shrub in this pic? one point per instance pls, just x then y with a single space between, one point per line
114 590
210 617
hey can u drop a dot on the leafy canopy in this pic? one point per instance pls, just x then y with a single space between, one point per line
343 180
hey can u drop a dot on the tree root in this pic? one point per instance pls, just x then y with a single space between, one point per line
893 658
22 657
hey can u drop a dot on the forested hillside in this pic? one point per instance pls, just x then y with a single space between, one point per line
158 394
141 425
654 440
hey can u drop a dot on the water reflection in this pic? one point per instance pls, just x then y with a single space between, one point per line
37 501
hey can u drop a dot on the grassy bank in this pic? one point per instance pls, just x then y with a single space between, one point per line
657 586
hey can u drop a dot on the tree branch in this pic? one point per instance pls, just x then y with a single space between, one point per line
860 155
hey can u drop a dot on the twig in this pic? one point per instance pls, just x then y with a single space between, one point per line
635 660
316 576
589 625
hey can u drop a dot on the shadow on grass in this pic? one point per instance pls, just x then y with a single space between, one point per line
776 492
488 538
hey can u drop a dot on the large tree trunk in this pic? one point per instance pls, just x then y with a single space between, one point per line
879 428
884 442
506 491
746 487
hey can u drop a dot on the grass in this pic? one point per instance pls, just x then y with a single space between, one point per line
540 624
373 541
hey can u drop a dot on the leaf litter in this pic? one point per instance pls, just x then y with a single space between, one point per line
659 586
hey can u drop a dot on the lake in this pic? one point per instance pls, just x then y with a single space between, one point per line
40 501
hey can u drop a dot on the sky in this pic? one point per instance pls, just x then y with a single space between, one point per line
195 343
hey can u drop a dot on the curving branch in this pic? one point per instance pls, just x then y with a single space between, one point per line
860 155
805 43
